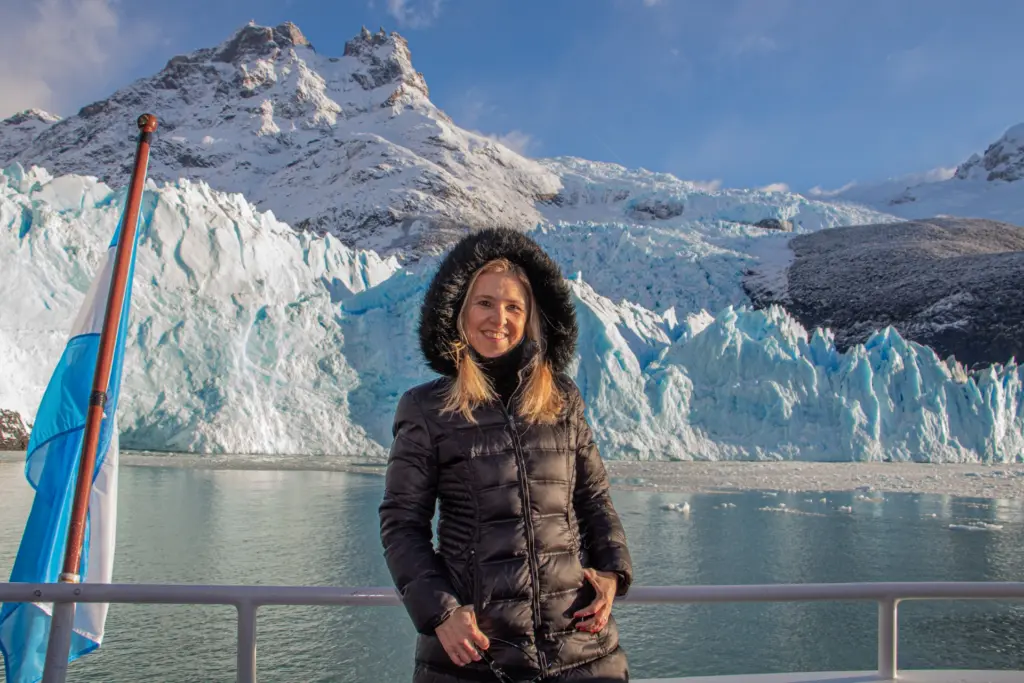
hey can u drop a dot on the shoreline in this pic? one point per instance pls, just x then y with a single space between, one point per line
971 480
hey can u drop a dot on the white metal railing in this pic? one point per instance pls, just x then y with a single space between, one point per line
247 599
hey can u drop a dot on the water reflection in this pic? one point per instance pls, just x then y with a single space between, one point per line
320 528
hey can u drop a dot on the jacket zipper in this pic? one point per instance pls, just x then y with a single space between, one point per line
530 543
474 569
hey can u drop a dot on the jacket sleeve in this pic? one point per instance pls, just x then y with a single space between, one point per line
410 494
601 529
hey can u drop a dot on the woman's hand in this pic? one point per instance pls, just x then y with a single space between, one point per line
460 636
606 585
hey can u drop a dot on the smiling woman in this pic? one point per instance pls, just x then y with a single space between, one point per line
531 553
498 313
495 315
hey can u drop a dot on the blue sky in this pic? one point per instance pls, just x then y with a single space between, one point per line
748 92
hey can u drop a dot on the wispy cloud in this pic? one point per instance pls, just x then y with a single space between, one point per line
889 185
819 191
57 50
471 107
938 174
517 141
708 185
750 26
774 187
415 13
474 111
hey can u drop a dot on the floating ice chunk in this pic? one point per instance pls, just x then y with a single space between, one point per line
976 526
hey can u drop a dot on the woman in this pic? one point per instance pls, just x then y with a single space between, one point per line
530 551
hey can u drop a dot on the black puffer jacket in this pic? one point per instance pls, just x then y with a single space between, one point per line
523 508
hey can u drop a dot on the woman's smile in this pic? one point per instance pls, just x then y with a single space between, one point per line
496 316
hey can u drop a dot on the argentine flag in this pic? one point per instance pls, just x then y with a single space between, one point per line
51 466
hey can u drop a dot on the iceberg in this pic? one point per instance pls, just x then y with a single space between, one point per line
251 338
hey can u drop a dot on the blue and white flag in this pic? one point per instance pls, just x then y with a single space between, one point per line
54 451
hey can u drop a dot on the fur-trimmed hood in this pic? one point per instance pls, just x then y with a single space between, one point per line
441 305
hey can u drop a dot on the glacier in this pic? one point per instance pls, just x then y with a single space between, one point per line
251 338
235 345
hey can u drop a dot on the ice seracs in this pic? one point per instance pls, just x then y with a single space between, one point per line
249 337
235 342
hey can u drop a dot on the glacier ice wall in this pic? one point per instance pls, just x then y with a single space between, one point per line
235 345
754 384
742 384
250 338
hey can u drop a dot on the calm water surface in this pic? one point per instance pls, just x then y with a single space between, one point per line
320 528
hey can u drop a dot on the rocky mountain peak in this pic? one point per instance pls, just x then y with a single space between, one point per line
386 59
350 144
253 40
1002 160
14 434
18 131
31 116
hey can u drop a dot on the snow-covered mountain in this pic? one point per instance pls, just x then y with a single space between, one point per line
351 145
988 185
248 337
1003 160
17 132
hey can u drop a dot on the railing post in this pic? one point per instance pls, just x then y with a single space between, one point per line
887 639
246 643
62 623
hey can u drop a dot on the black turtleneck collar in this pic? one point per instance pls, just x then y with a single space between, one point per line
504 370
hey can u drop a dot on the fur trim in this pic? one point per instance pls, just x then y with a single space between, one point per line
437 326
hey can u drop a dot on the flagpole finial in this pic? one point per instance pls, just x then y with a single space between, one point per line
147 123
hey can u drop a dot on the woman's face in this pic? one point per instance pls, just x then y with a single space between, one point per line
495 314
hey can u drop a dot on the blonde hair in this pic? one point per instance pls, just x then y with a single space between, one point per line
541 401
